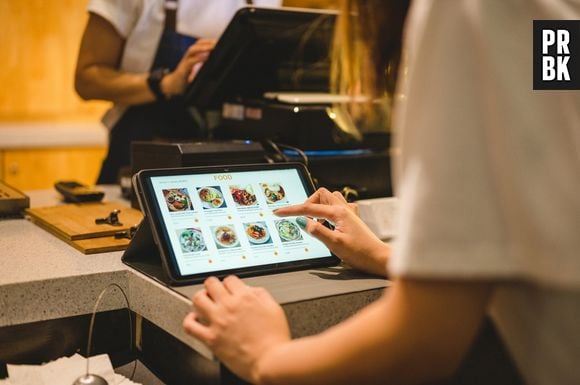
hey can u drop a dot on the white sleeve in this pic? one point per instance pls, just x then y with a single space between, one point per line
489 168
122 14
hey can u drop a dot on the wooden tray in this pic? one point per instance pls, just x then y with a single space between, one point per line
75 224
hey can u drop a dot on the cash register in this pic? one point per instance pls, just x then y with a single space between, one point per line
264 96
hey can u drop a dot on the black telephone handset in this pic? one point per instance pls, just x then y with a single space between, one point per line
12 201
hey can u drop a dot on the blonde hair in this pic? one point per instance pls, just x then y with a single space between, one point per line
367 47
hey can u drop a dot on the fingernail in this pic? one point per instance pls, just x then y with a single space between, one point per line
301 221
275 211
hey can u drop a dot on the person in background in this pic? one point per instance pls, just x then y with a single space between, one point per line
141 54
489 212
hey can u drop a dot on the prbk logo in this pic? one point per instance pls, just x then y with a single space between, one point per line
557 54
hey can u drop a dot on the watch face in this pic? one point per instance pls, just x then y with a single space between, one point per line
159 73
154 82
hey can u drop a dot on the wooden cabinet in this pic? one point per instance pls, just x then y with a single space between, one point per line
31 169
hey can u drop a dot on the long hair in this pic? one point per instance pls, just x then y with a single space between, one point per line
367 47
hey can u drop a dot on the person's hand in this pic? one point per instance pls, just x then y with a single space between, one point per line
175 82
351 240
239 323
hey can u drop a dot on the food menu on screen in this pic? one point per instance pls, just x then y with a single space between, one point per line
224 221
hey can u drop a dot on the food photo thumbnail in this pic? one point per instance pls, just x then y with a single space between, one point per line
243 196
177 199
211 197
225 236
274 193
257 233
191 240
288 230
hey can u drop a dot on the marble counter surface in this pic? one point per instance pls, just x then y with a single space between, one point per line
43 278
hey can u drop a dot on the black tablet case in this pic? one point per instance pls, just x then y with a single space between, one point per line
143 254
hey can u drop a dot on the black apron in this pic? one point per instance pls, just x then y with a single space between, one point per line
164 119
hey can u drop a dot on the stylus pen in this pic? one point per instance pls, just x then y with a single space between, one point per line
328 223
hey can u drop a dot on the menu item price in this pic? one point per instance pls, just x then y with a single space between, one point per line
243 196
191 240
257 233
211 197
225 236
274 192
288 230
177 199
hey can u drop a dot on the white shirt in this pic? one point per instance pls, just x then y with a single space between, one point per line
140 23
489 174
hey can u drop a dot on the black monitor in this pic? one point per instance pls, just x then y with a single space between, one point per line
266 49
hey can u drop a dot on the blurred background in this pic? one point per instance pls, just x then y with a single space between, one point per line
47 133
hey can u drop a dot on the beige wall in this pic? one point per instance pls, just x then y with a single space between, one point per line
40 41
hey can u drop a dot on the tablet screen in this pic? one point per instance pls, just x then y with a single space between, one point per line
224 221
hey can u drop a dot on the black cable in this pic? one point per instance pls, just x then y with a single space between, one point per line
296 150
92 324
273 146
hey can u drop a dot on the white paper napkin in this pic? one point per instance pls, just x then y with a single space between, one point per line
63 371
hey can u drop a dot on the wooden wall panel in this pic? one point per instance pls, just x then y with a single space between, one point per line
40 41
40 168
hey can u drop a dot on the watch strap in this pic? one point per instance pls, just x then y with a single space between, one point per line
154 82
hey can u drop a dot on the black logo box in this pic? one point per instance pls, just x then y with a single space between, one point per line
573 28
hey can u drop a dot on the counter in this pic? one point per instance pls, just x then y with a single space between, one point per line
44 135
43 278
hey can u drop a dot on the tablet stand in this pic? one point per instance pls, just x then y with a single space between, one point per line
143 254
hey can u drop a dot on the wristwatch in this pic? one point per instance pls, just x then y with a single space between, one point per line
154 82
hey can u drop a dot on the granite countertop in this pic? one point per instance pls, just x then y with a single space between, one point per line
44 278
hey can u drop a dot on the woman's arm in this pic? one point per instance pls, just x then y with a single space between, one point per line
98 76
418 332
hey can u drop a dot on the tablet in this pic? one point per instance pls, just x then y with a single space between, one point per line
219 220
